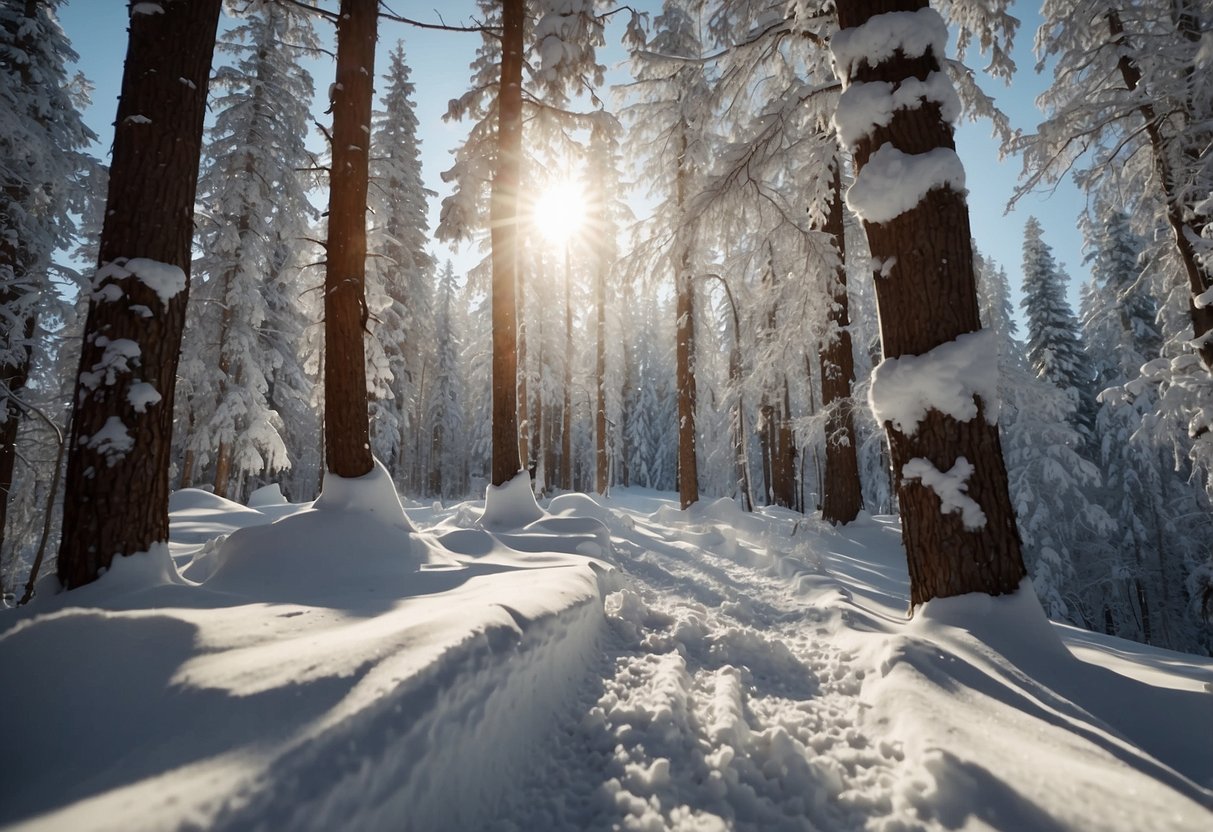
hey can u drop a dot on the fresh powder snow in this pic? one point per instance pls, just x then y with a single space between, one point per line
591 664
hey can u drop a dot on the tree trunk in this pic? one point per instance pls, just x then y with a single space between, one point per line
929 300
187 470
602 460
223 468
566 412
785 452
436 451
684 349
842 497
346 419
524 419
504 223
766 418
116 495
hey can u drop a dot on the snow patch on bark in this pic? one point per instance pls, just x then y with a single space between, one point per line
142 395
892 182
118 357
950 378
884 35
113 441
863 107
165 279
950 487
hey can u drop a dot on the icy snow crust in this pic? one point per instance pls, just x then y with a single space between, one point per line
614 664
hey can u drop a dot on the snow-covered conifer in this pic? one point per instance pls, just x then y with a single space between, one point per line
399 276
1055 350
44 173
255 200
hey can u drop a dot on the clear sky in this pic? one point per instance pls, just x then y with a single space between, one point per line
439 61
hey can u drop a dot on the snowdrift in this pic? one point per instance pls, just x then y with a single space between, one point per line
592 664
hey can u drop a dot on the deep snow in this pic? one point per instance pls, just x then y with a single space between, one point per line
604 664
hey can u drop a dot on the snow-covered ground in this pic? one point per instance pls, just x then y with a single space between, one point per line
613 664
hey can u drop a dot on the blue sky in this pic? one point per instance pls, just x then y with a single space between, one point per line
439 60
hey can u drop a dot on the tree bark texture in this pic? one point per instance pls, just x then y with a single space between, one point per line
842 497
504 234
929 300
116 501
346 417
684 346
785 453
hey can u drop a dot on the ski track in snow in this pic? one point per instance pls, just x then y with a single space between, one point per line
721 704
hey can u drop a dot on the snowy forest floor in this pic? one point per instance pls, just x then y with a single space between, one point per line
616 664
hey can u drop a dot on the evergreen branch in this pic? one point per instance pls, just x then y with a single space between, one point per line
325 13
441 25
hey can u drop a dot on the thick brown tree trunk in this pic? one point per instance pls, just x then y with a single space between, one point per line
116 495
504 222
842 497
346 417
930 299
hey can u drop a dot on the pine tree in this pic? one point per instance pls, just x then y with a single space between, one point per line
401 271
1126 111
1157 511
1064 530
444 413
42 171
669 117
1055 350
116 497
255 201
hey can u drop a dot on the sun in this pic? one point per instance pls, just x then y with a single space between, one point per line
560 211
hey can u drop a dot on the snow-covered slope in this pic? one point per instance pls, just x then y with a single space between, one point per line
612 664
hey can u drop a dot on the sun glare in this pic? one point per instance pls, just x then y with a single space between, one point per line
560 211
